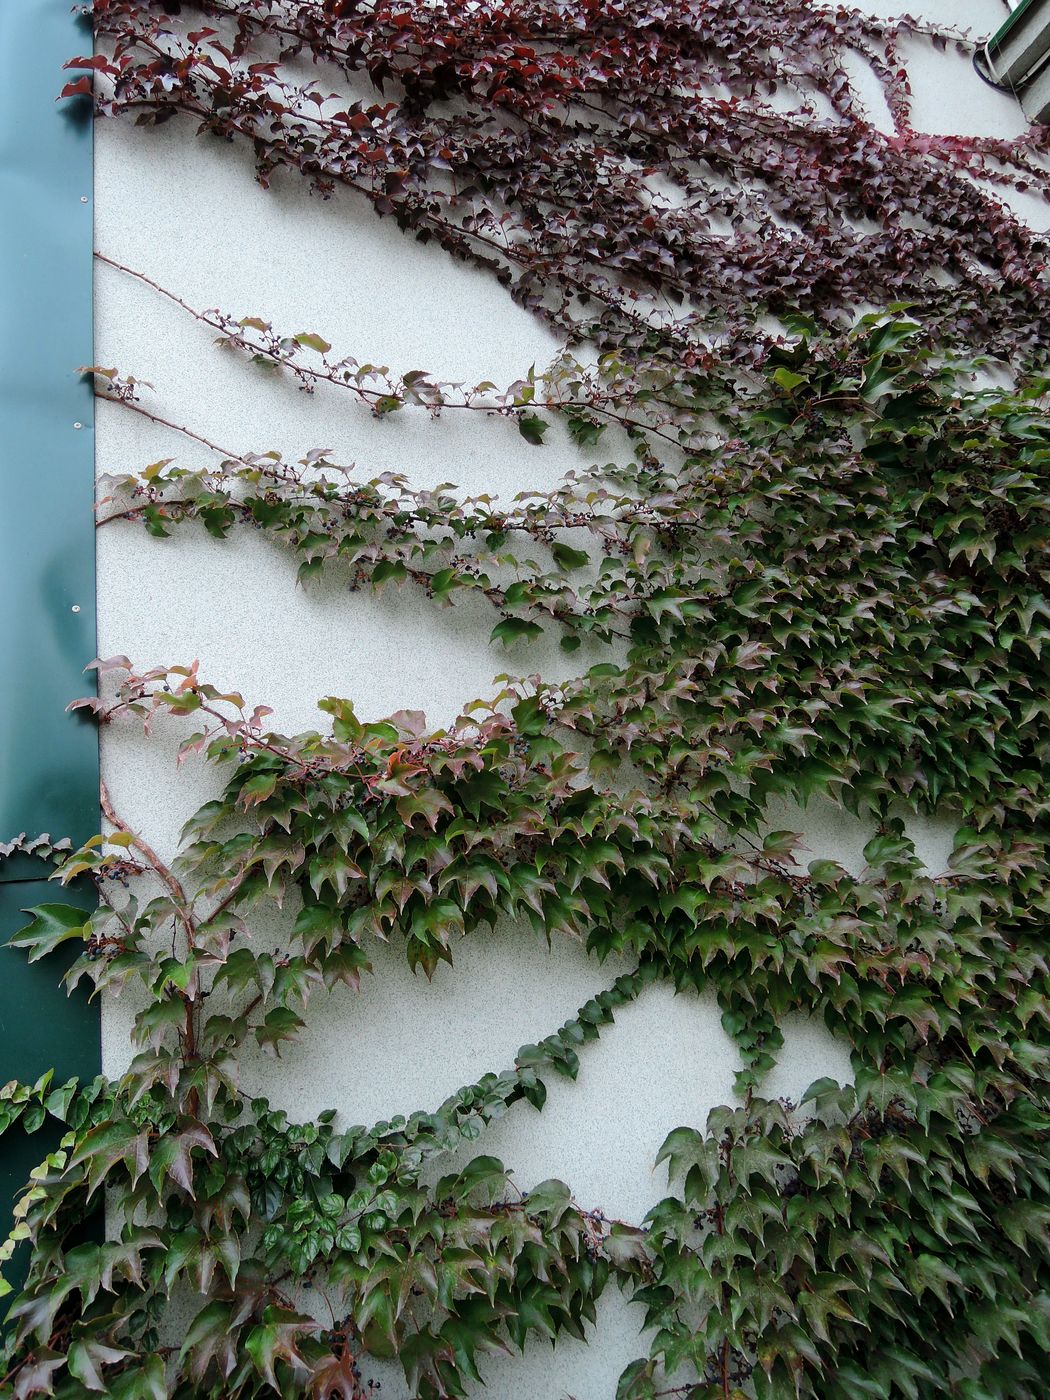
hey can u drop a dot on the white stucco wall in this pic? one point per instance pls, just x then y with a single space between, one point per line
188 212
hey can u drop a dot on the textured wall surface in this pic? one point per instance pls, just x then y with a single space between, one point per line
188 212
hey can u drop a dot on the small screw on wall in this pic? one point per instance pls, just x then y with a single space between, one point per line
75 607
83 199
78 425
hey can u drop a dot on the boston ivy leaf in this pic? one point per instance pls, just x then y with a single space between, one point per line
51 925
569 558
313 342
513 629
532 428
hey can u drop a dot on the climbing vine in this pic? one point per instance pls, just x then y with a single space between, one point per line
817 566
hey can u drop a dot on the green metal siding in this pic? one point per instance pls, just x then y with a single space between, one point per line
48 759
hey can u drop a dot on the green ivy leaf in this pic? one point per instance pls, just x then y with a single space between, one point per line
532 428
51 926
514 629
568 558
313 342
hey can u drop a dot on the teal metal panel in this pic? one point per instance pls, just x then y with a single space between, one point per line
48 759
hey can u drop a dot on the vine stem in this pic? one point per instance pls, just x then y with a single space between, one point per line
177 428
159 867
218 321
183 905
